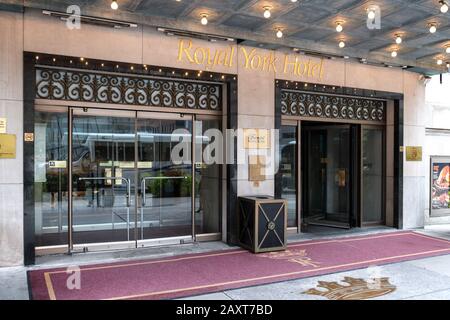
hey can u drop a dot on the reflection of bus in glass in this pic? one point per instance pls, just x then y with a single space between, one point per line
100 151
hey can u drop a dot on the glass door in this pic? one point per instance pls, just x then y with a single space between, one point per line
165 178
288 170
326 172
103 176
372 175
208 177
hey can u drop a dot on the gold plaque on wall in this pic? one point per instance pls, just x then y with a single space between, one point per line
256 168
28 137
256 138
7 146
413 153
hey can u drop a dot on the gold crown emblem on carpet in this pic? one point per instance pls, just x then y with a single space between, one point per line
355 289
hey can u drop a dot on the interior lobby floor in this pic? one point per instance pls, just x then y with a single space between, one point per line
431 275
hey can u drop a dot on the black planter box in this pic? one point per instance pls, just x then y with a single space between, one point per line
262 223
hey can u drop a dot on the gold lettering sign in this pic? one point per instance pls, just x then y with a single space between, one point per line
7 146
249 58
413 153
256 139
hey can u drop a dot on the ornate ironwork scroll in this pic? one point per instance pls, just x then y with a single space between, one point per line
85 86
305 104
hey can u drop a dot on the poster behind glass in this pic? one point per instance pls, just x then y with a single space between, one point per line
440 185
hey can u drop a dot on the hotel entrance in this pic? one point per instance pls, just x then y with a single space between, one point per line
328 161
132 179
332 161
335 177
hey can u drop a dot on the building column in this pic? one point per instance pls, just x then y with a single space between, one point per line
11 108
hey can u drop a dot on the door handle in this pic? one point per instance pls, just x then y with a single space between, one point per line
127 183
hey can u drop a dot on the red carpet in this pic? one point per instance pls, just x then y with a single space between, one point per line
215 271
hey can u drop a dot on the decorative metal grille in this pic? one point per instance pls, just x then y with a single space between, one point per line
86 86
295 103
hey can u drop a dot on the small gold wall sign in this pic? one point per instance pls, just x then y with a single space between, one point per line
256 168
413 153
354 289
256 139
7 146
28 137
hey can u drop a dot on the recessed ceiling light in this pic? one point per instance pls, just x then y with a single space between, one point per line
339 27
439 62
398 39
444 6
114 5
279 33
447 49
294 1
267 12
394 54
433 27
341 44
204 19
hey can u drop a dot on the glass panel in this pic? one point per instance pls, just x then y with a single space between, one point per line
103 209
288 165
165 208
372 147
326 173
208 177
50 147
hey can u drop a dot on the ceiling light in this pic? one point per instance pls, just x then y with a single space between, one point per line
444 6
339 27
448 64
114 5
433 28
279 33
294 1
371 14
393 54
447 49
267 12
341 44
439 62
398 39
204 20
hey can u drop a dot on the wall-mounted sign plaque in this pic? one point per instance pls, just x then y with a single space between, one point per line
256 168
28 137
256 139
413 153
7 146
3 125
